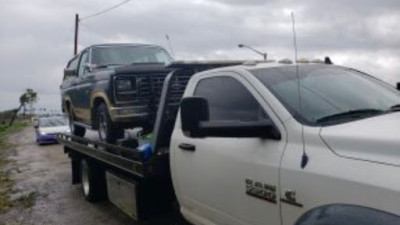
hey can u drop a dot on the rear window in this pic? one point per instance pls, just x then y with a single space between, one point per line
52 122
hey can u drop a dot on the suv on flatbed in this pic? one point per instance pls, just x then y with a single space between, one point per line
110 87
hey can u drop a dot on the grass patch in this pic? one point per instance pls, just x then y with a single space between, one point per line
27 200
5 182
5 191
5 130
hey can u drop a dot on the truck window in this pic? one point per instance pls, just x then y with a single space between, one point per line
126 55
229 100
73 64
82 62
327 91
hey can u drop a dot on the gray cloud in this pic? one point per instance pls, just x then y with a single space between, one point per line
37 36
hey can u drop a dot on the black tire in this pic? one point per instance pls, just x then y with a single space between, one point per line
93 181
108 132
75 130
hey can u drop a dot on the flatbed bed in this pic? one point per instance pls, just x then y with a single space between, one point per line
124 168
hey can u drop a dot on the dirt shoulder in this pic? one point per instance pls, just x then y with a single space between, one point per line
7 166
40 189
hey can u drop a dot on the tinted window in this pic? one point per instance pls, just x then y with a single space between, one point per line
52 122
326 91
229 100
73 64
82 63
126 55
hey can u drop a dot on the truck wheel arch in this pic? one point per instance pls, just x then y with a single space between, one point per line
97 99
346 214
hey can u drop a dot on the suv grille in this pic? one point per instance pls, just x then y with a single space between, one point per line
149 88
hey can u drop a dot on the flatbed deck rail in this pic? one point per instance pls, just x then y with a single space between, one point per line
98 150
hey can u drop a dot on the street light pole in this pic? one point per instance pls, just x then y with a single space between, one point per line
263 54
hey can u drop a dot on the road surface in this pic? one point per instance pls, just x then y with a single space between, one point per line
42 176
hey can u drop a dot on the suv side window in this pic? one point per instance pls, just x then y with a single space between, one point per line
82 62
73 64
229 100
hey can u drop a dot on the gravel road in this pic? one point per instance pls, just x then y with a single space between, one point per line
42 176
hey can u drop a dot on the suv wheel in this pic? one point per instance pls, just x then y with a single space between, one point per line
75 130
108 132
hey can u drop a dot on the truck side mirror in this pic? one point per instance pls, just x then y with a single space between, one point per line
68 72
89 67
240 129
398 86
193 110
196 123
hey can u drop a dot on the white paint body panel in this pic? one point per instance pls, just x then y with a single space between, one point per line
330 179
210 182
353 163
375 139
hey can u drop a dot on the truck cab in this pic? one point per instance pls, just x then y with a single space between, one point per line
273 144
257 143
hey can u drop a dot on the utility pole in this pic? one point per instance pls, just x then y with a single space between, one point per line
76 34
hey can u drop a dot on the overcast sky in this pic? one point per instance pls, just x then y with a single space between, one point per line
36 36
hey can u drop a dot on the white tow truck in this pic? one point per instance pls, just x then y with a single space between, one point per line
258 143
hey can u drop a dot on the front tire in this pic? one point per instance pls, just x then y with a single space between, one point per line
75 130
93 182
108 132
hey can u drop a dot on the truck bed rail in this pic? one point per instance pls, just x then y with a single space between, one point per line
119 157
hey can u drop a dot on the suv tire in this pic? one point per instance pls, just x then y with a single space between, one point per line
108 132
75 130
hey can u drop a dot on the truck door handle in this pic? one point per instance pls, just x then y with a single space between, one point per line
187 147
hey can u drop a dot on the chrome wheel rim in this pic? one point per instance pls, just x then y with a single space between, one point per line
102 127
85 178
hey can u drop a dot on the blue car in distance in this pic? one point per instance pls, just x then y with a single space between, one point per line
48 128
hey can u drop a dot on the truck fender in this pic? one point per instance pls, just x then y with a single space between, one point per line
345 214
96 95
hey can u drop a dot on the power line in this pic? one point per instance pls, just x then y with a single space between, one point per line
106 10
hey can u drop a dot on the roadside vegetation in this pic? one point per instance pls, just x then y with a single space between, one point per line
6 185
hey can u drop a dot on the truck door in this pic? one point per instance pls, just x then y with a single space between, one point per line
229 180
83 90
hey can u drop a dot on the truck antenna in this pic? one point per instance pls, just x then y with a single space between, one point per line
304 158
169 45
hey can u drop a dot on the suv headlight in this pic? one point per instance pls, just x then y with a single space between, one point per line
123 85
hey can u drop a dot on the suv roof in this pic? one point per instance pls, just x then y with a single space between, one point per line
121 45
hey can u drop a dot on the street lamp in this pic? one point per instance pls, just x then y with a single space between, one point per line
264 55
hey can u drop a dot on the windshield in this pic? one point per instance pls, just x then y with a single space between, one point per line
125 55
328 93
52 122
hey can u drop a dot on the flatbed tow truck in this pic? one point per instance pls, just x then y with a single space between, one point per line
241 149
141 188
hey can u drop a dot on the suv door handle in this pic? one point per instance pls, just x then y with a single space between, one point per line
187 147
